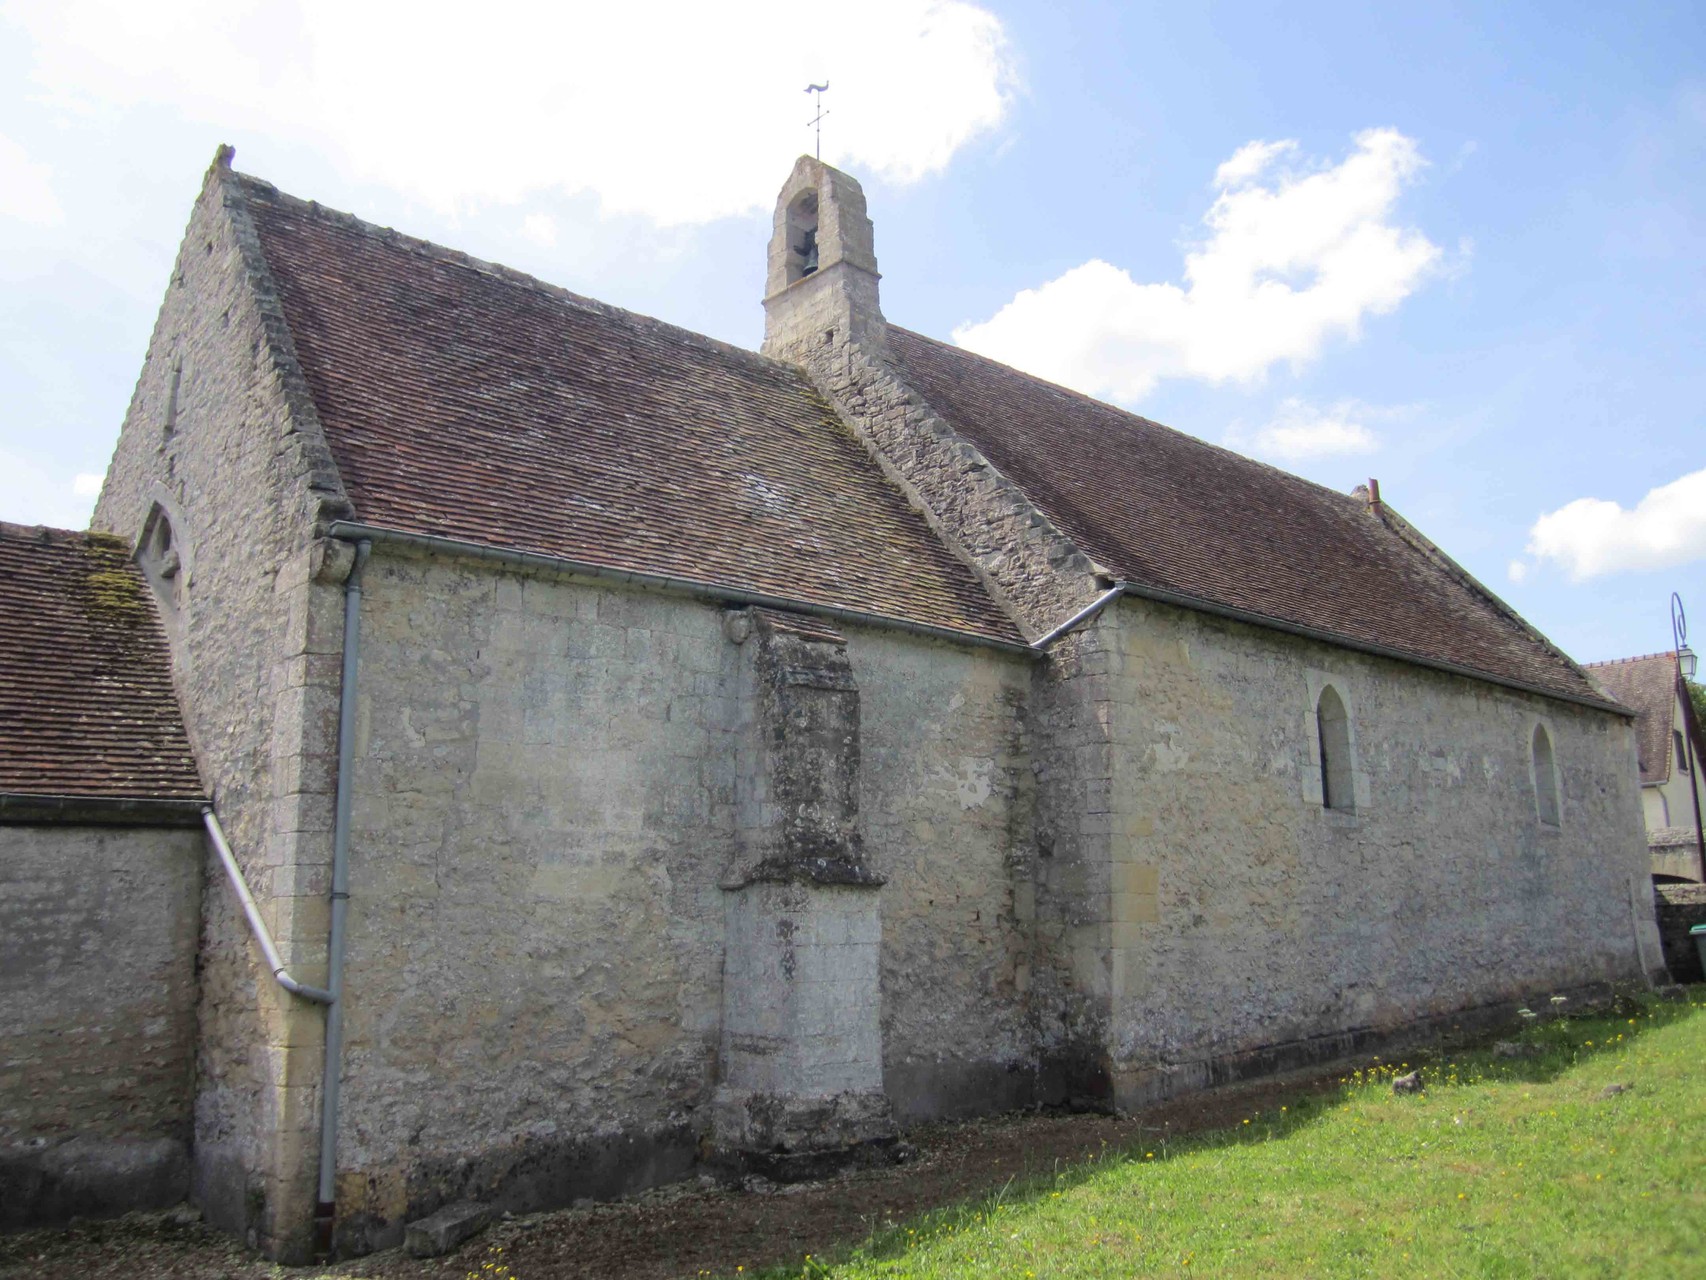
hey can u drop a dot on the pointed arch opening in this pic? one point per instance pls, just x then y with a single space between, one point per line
1333 726
160 557
1545 778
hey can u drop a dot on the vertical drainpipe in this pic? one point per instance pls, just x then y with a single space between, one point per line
331 1075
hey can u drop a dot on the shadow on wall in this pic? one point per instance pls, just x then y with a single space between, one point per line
1680 908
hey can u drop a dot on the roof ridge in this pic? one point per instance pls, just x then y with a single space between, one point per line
1163 520
1408 533
39 532
510 275
1348 498
1639 657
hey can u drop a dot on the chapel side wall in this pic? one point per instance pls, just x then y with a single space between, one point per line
947 797
544 808
98 930
1243 916
231 456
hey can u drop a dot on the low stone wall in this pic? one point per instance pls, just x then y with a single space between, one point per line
1680 907
98 929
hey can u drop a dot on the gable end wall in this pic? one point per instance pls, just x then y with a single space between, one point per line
240 467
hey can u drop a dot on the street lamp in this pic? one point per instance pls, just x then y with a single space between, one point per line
1685 666
1686 659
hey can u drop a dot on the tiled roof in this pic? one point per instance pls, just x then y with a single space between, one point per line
1165 510
1647 685
471 402
86 701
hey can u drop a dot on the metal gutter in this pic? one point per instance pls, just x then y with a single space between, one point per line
1178 599
1083 615
130 810
331 1079
257 925
353 531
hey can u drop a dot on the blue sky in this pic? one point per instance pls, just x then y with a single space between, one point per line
1460 248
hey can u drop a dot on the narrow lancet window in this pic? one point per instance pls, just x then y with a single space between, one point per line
1545 778
1334 728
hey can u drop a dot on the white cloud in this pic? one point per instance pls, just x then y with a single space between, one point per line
1249 161
1301 430
1518 570
26 187
1290 259
680 112
1591 536
32 494
541 228
86 484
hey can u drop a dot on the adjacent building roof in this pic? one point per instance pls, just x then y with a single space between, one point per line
467 401
86 695
1165 510
1648 685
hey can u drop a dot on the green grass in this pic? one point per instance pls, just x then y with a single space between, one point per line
1501 1167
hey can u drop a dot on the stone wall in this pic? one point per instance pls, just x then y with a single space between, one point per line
221 440
1680 908
1243 915
98 931
545 821
948 798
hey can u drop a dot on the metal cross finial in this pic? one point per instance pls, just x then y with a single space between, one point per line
817 121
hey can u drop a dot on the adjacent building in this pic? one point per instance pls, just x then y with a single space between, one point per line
1673 794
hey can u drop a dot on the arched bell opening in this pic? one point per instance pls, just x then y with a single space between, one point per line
802 237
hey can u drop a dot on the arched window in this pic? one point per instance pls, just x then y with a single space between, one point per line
802 237
1334 729
1545 778
158 555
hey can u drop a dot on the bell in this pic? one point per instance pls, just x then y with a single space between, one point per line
808 251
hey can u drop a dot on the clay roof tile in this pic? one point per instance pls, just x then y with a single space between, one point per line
1165 510
86 695
469 401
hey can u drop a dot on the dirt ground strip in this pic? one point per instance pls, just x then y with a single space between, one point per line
687 1230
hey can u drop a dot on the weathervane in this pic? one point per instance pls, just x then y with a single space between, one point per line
816 121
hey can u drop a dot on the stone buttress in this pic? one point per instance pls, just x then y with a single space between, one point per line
822 312
801 1052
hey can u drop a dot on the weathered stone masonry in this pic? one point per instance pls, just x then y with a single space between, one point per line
641 878
1189 883
221 437
580 809
98 932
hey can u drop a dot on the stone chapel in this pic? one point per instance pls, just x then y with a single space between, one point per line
565 752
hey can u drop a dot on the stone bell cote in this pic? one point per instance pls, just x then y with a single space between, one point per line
820 289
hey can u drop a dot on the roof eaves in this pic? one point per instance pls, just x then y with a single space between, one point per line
1180 600
357 532
1416 539
26 808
